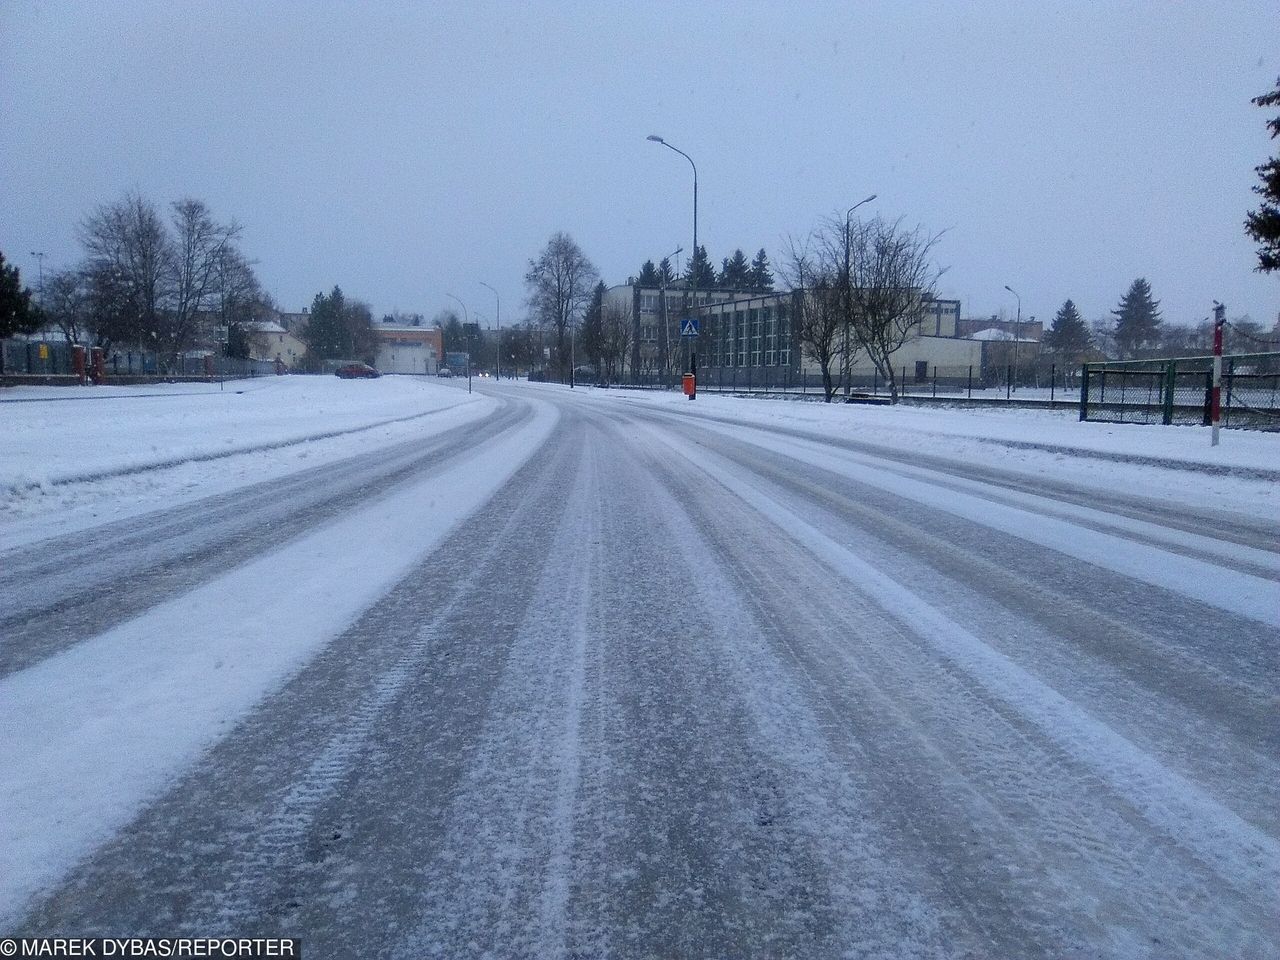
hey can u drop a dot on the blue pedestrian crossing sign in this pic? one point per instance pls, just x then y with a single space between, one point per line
688 327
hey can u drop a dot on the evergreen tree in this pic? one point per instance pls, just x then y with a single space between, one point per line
1068 336
1137 320
450 331
761 279
238 345
648 275
1263 224
665 273
326 335
735 272
17 313
699 272
591 339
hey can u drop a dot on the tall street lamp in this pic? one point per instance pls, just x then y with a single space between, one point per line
1017 333
40 255
497 361
693 364
666 323
466 318
848 280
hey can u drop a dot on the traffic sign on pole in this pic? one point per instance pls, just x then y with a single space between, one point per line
689 327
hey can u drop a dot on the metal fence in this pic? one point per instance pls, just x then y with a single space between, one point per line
1031 382
1178 391
54 358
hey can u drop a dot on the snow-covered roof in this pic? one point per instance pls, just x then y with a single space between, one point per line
995 333
266 326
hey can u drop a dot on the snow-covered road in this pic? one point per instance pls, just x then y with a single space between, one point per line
605 675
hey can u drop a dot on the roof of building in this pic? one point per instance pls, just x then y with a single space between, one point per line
266 326
992 333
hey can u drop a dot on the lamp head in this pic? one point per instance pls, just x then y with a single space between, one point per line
655 138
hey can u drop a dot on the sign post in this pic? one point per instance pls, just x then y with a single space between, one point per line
689 334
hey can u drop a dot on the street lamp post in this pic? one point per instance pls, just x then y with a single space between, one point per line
693 287
40 255
497 355
1017 333
466 318
848 280
666 323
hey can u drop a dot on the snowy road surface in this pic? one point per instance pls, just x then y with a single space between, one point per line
593 676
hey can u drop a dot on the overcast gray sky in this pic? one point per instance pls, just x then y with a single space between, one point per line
406 151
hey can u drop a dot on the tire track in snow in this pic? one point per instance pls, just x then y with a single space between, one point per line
505 868
1240 593
1244 857
1005 759
54 596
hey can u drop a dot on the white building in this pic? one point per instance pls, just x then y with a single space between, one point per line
408 349
269 340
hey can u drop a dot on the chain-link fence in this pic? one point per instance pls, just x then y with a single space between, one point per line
1179 391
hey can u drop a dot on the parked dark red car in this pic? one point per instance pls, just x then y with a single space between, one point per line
354 371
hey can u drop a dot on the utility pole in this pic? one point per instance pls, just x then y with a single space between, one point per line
39 255
497 362
1017 332
848 282
692 351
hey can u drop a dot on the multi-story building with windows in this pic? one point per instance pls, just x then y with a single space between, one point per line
751 339
655 316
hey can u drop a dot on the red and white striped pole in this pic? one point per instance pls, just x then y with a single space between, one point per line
1215 397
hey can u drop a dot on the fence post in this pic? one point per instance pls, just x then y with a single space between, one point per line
935 381
1053 380
1231 379
875 381
1008 381
1084 391
1170 380
903 392
971 381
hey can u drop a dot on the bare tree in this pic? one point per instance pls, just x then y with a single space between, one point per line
618 334
127 260
560 282
67 305
890 275
240 301
812 277
195 271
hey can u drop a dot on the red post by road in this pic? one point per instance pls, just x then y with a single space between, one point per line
1215 396
77 362
98 365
